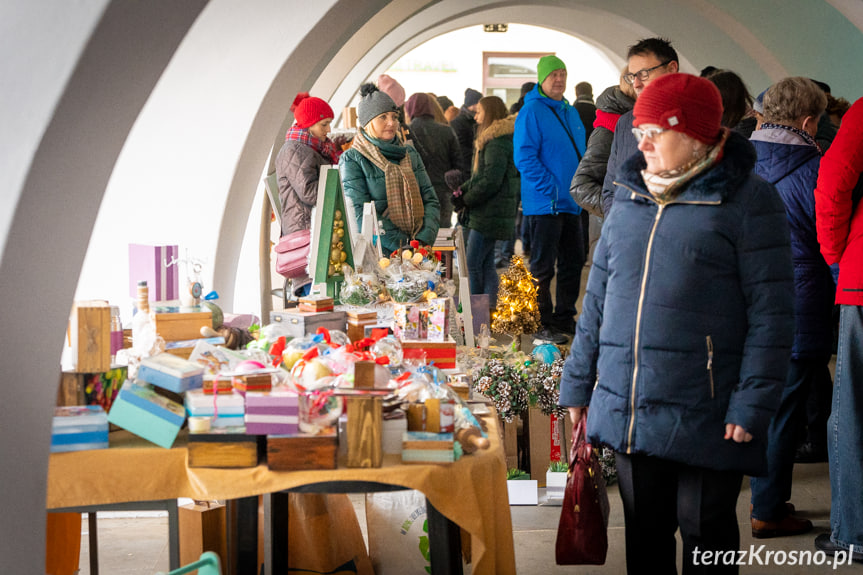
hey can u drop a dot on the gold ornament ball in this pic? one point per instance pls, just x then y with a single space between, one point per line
338 214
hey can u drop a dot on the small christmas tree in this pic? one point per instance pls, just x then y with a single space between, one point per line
517 312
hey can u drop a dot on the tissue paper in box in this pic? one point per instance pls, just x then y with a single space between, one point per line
79 427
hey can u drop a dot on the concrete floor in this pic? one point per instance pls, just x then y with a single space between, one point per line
138 545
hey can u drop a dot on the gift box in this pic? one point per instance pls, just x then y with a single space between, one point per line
438 319
218 385
300 323
142 411
155 264
78 428
272 413
407 320
226 410
224 447
441 353
89 337
425 447
316 303
357 322
301 452
171 372
246 382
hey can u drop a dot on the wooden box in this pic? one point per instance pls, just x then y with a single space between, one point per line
441 353
223 447
301 452
145 413
300 323
316 303
71 389
202 526
365 432
349 117
539 441
182 325
358 320
89 336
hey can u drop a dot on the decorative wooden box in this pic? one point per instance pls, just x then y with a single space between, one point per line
89 336
358 320
300 452
224 447
147 414
182 325
231 407
171 372
78 428
272 413
316 303
300 323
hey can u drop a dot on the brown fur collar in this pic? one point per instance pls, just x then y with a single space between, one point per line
502 127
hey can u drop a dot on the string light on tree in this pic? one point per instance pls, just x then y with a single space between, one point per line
517 312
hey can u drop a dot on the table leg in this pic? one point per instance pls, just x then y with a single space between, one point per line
242 515
173 536
276 507
94 542
444 543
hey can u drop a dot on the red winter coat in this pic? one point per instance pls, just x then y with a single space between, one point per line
840 225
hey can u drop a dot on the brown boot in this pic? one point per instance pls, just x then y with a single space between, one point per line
790 525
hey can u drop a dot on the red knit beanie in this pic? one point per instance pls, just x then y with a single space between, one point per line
683 103
309 110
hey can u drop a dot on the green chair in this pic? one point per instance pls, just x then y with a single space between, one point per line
208 564
271 184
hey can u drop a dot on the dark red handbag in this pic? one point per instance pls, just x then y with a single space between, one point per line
582 534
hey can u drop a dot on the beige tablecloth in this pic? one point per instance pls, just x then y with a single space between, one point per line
471 492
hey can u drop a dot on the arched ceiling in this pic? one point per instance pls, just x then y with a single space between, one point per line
180 104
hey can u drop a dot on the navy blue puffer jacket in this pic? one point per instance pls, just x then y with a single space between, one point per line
791 165
688 318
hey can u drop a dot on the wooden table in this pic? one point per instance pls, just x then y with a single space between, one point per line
470 492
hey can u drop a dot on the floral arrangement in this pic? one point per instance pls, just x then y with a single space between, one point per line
544 385
505 386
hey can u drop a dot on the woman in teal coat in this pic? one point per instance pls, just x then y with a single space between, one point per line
490 197
379 168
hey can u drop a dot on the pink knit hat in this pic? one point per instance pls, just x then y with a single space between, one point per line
389 86
309 110
683 103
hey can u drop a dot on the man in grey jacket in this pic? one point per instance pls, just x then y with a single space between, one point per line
647 60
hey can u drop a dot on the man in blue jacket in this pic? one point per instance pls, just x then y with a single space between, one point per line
549 142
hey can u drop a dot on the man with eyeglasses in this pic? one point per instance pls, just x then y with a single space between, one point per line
647 60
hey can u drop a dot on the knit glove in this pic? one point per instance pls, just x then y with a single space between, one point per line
454 179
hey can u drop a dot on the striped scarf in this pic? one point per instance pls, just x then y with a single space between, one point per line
325 148
803 134
404 201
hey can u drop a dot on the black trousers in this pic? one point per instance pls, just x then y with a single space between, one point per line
659 496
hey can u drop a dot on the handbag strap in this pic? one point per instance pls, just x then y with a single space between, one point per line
568 133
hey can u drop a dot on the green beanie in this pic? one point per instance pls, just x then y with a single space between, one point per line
547 65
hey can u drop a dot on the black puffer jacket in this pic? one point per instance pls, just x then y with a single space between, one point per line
440 152
464 127
586 188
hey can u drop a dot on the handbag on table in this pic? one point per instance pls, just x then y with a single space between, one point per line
582 533
292 254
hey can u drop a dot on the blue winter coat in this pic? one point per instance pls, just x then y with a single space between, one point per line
791 165
544 154
688 318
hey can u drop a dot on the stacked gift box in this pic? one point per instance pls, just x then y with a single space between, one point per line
79 427
225 409
423 329
272 413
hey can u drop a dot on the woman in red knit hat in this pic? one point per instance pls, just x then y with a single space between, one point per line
298 165
682 347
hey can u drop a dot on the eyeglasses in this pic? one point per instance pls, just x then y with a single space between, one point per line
649 133
643 75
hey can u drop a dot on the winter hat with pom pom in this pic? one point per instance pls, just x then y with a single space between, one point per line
309 110
373 103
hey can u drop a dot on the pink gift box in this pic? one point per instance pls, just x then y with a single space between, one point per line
149 263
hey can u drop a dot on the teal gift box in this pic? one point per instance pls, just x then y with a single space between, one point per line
147 414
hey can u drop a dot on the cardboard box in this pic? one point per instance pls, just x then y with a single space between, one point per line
301 323
145 413
89 336
202 526
152 263
539 442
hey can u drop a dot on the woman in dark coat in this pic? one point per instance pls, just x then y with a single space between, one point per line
437 146
490 197
379 168
685 335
